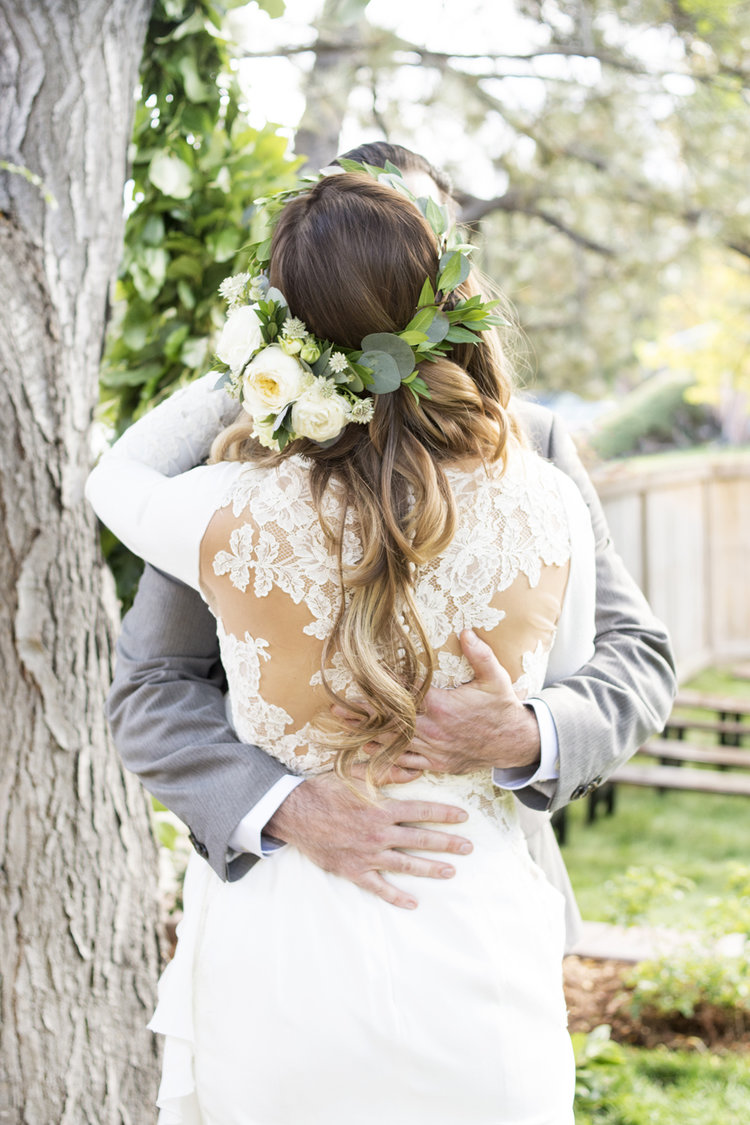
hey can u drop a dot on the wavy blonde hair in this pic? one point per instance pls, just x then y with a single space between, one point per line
350 257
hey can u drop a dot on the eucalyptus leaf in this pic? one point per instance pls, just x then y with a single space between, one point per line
438 330
319 367
223 381
394 346
386 376
273 294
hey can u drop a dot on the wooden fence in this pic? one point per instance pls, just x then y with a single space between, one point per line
682 525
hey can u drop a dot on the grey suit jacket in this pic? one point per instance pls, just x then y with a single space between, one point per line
167 715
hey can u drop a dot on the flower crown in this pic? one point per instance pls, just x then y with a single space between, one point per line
295 385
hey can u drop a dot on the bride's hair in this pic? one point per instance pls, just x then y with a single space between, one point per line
351 257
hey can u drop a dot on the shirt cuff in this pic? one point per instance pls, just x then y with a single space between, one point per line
548 769
248 835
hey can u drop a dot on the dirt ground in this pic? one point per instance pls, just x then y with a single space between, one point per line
596 994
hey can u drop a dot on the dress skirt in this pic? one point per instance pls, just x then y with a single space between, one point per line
296 998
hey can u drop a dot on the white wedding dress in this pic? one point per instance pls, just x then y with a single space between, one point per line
294 997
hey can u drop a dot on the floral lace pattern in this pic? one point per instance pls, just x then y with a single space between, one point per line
510 523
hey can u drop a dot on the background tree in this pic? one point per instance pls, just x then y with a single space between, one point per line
78 896
77 885
611 143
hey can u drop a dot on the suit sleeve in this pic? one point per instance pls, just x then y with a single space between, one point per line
166 711
623 694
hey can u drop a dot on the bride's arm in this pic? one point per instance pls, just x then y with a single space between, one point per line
146 490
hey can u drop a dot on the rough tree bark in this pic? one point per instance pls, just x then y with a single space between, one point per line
78 944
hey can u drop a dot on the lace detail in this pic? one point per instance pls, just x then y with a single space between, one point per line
505 567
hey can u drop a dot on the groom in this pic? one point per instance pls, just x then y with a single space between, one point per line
167 715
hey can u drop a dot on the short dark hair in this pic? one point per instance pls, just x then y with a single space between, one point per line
377 152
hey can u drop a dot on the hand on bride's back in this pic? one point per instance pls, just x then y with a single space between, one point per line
360 839
478 725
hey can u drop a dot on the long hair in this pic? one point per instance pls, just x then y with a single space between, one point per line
350 257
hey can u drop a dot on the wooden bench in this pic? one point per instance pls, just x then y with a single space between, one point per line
671 774
682 777
670 751
731 724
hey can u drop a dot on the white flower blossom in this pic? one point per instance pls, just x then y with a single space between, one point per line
319 417
293 328
338 363
258 287
233 288
271 381
240 337
326 388
362 410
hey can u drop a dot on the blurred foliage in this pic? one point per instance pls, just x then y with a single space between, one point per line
681 980
617 135
654 416
631 895
705 333
196 169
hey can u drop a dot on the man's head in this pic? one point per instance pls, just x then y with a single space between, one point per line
420 176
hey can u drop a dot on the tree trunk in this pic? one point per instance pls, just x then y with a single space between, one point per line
330 81
78 933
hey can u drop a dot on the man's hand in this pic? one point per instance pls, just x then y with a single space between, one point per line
359 839
476 725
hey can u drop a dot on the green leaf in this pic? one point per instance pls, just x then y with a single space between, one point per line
385 373
427 296
275 8
413 338
436 215
195 88
394 346
153 231
131 376
224 244
351 165
319 367
454 269
458 335
171 176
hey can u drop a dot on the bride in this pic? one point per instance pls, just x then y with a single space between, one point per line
373 501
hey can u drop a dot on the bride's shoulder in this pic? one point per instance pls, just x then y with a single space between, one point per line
258 491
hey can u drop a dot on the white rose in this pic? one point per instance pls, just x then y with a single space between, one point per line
240 337
271 381
319 416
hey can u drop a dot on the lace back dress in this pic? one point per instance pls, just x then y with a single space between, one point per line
295 997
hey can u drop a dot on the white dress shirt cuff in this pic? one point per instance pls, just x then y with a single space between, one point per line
548 769
248 835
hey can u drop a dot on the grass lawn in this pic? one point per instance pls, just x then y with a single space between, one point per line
661 1087
696 836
